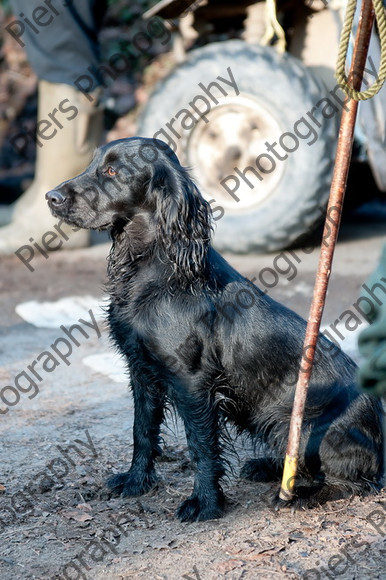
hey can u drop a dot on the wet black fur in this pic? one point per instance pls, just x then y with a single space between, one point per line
198 335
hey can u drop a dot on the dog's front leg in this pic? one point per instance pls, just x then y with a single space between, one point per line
148 416
202 434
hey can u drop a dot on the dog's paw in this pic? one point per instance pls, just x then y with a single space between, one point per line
297 503
261 470
195 510
130 484
310 496
277 503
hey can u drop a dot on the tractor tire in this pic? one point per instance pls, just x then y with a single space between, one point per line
276 201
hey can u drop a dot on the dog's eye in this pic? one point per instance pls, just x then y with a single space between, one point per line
111 171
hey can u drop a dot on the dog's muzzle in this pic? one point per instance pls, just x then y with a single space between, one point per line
55 199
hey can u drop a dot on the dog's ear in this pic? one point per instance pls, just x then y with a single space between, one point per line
183 219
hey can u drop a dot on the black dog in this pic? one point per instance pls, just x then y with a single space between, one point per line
200 336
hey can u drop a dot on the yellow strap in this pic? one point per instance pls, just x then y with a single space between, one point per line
343 48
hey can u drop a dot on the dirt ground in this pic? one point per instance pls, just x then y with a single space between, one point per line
57 521
56 517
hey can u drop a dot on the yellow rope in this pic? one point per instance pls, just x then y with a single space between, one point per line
273 28
343 48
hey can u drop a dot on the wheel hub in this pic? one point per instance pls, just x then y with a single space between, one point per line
232 139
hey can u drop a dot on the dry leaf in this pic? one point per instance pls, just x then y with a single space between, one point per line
263 554
77 515
229 565
84 507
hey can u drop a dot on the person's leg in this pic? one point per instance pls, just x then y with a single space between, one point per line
69 123
372 342
67 44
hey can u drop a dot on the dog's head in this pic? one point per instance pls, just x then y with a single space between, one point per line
137 188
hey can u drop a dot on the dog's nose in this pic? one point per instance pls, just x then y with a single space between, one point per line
55 197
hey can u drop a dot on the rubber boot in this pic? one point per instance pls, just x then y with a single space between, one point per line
68 130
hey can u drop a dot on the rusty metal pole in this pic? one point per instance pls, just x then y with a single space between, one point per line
330 234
